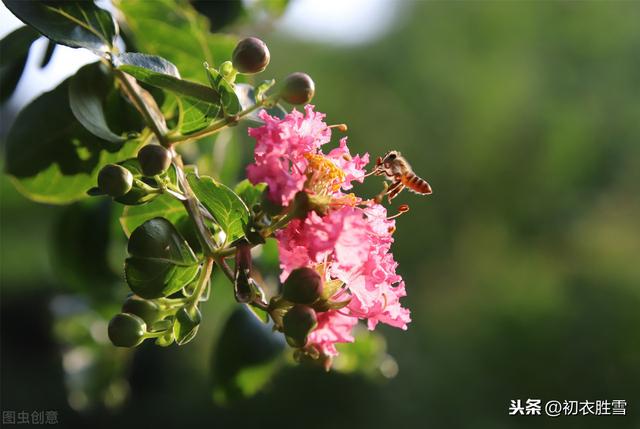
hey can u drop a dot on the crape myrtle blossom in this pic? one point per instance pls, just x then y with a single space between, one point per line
288 157
349 242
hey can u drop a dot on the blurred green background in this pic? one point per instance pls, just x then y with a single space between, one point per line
522 269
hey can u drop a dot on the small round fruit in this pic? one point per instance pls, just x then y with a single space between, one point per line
303 286
298 88
115 180
298 323
251 55
143 308
153 239
126 330
154 159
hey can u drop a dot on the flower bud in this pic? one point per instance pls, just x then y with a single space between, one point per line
143 308
251 55
153 239
126 330
154 159
298 323
303 286
115 180
298 88
186 325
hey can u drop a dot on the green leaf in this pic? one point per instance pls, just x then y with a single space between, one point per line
186 325
195 114
157 238
261 90
51 156
161 261
247 97
78 24
164 205
175 31
249 193
88 89
228 98
247 355
199 104
259 313
162 74
15 51
149 63
225 206
155 278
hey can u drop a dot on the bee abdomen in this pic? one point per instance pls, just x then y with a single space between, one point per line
416 184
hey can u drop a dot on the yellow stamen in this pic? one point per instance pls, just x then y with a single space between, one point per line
323 173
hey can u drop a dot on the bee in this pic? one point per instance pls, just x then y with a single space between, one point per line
397 169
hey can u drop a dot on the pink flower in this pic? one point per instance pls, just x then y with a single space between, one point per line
351 243
333 328
287 157
353 167
354 244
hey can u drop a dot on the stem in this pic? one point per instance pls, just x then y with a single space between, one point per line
193 208
216 126
202 283
284 220
225 268
143 107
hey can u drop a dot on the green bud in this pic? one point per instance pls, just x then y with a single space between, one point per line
186 325
299 321
126 330
298 88
152 239
154 159
303 286
251 55
143 308
115 180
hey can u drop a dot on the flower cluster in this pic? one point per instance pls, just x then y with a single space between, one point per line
288 157
348 243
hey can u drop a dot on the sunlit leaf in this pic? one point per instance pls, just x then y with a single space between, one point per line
78 24
161 73
227 208
161 260
164 205
228 98
198 104
249 193
51 156
88 89
186 325
247 97
175 31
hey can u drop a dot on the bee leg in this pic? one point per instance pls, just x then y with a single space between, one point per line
393 190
